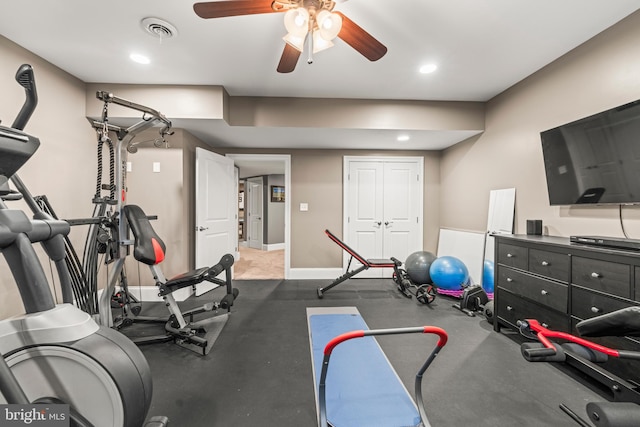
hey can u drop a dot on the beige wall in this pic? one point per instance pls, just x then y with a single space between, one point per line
169 194
601 74
62 167
316 179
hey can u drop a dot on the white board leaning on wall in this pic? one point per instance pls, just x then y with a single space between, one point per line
467 246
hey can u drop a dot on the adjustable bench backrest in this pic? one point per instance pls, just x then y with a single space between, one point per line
344 246
149 247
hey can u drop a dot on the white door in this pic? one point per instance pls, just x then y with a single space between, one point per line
254 213
401 210
216 211
383 199
365 210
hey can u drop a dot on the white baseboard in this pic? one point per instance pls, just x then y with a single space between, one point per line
273 247
314 273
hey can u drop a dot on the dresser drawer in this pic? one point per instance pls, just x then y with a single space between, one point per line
514 256
550 264
552 294
609 277
511 308
586 304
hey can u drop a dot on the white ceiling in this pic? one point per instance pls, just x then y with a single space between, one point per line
482 47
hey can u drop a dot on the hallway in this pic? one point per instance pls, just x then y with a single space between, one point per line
255 264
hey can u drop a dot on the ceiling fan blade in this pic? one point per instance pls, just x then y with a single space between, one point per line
289 59
221 9
352 34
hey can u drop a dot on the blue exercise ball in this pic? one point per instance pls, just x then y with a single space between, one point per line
417 267
448 272
487 276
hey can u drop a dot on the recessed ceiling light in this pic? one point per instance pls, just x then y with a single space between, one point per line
403 138
428 68
140 59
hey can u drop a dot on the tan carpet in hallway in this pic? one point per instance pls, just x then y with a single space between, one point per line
256 264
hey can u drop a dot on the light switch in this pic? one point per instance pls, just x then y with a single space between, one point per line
304 207
156 166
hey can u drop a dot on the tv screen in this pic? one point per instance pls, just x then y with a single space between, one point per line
595 160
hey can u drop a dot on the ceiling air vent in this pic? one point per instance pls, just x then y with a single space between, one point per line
159 28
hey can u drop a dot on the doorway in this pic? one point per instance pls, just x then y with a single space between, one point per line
254 165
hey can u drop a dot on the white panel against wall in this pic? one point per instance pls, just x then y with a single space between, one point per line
501 210
500 218
467 246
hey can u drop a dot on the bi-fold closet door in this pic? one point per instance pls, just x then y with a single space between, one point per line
383 203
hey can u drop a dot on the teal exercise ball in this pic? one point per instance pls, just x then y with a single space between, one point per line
449 273
417 267
487 276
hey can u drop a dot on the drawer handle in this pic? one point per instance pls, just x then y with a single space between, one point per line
509 279
543 292
510 255
544 263
509 308
596 275
595 309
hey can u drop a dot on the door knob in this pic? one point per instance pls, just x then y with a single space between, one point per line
201 228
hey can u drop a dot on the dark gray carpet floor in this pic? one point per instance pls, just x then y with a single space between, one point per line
259 371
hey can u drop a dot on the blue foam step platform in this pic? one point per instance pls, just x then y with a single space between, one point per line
362 388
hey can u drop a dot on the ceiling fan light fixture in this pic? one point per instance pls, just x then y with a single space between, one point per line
329 24
319 43
296 21
295 41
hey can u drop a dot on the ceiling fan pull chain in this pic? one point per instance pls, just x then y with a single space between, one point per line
310 57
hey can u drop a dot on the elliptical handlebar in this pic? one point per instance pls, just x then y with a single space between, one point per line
26 79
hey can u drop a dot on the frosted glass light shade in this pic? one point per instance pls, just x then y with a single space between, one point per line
329 24
319 43
294 41
296 21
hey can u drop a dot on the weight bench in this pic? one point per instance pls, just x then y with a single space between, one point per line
366 264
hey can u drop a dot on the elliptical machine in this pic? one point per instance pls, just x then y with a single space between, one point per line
57 354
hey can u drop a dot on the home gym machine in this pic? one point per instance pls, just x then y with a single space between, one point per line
57 354
584 355
121 218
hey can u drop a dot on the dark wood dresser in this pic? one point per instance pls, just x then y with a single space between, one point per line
560 283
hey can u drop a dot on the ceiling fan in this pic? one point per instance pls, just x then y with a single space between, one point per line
307 21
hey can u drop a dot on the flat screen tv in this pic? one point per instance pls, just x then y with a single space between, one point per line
595 160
